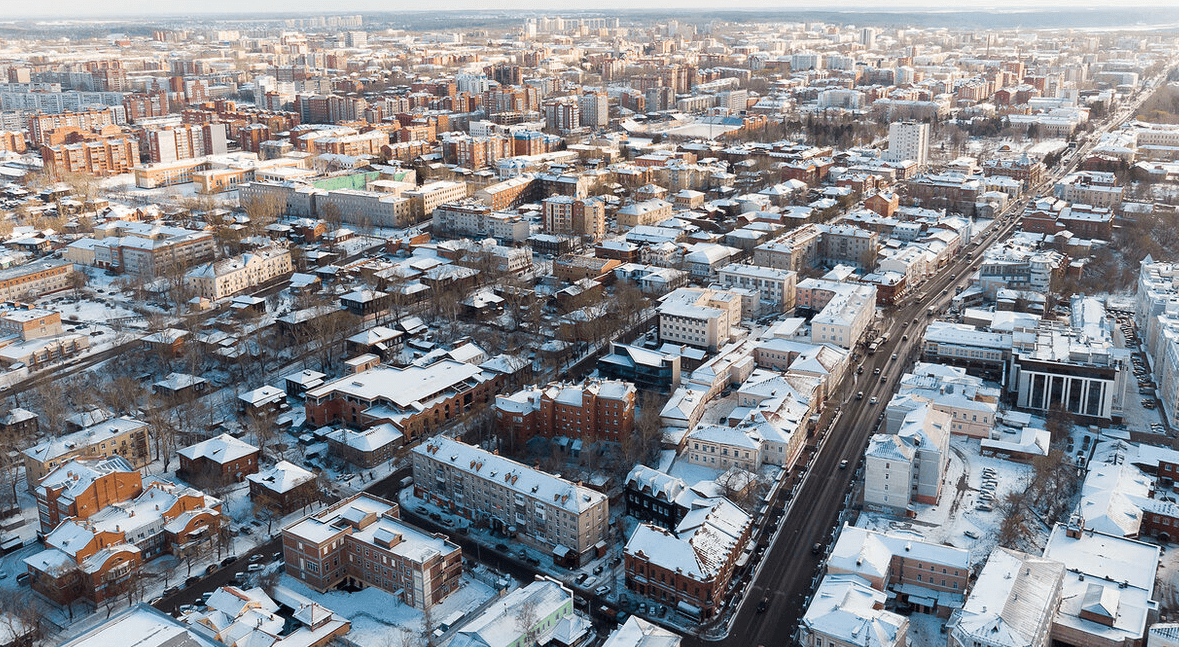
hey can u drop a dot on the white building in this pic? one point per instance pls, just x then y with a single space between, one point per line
233 275
775 286
699 317
1012 604
907 467
908 141
846 612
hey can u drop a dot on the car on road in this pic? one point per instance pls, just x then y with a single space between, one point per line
229 560
843 464
581 577
211 568
893 358
763 605
171 590
598 569
590 581
817 548
192 580
503 548
860 395
255 557
876 371
859 370
873 400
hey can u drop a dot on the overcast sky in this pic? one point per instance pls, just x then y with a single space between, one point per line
67 9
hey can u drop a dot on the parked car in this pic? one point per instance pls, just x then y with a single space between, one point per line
254 568
602 590
229 560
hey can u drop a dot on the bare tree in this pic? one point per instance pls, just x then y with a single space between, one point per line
527 619
263 210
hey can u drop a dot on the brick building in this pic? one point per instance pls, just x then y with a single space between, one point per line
592 411
362 541
219 460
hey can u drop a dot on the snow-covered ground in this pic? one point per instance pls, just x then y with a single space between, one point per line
381 618
925 630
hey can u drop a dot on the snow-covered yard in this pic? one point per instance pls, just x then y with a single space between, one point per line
380 618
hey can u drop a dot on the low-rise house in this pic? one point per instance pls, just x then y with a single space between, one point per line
501 624
366 448
284 488
219 460
847 612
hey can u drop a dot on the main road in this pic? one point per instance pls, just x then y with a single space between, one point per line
789 566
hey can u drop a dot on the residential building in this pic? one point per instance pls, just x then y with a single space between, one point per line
428 197
145 626
689 568
551 616
930 577
415 399
1094 188
35 279
972 406
542 509
907 467
650 212
591 411
636 632
704 318
775 287
472 219
366 448
566 215
80 487
845 310
111 156
125 437
218 461
284 488
655 497
231 276
1012 604
41 125
908 141
96 558
363 542
241 618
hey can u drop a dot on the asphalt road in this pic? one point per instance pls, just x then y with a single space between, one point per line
789 565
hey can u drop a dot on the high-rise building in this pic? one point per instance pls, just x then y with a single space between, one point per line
595 109
908 140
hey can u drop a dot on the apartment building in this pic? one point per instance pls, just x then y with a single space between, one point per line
971 404
368 208
775 287
186 141
907 467
125 437
22 322
908 140
551 621
469 218
361 541
797 250
703 318
542 509
566 215
415 399
591 411
80 487
1094 188
142 249
231 276
846 612
284 488
102 157
35 279
96 558
688 569
845 310
650 212
428 197
40 125
1157 316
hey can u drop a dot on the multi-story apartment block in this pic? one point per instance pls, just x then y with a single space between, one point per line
103 157
699 317
188 141
231 276
845 310
907 467
415 399
775 287
40 125
511 497
80 487
908 140
650 212
592 411
595 109
428 197
796 251
848 245
1094 188
363 542
469 218
124 437
143 249
688 568
575 216
972 406
22 322
367 208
